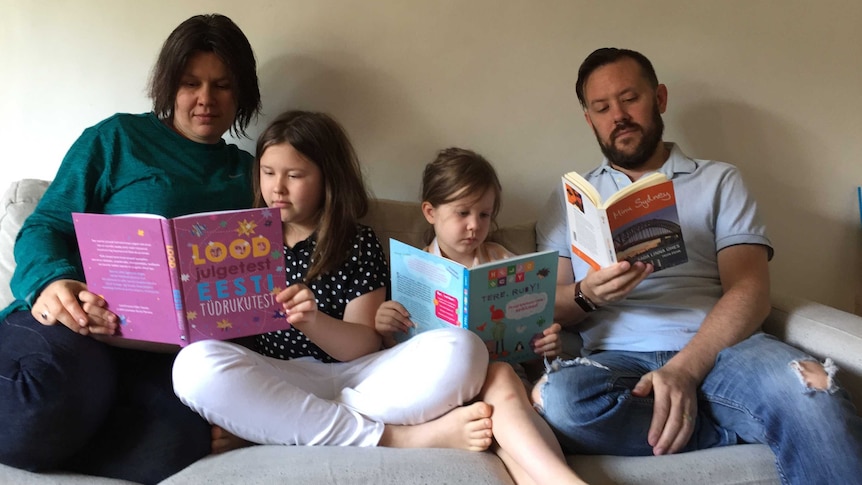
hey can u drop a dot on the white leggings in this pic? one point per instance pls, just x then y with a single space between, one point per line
306 402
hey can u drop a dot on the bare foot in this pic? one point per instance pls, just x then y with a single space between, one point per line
464 428
223 441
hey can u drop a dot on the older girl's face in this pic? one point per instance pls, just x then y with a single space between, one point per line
205 107
294 185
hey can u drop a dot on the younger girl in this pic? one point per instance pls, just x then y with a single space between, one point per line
322 382
460 199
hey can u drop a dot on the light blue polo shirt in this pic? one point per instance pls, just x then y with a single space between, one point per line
665 310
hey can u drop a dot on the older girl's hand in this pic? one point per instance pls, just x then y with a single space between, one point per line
550 344
70 303
392 317
299 303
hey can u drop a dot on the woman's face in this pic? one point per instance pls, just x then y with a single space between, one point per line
205 107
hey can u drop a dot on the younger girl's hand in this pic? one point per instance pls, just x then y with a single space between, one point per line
69 303
550 345
299 304
392 317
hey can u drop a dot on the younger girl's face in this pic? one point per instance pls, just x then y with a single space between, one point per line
292 184
462 225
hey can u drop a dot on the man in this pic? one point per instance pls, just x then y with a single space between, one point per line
674 361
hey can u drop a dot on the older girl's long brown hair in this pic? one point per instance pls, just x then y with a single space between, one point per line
322 140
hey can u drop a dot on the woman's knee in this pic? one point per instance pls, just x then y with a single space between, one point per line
56 388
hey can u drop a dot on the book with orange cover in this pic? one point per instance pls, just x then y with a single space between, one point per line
638 223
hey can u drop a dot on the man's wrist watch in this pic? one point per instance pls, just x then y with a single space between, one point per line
581 299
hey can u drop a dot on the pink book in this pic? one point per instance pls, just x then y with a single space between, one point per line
211 275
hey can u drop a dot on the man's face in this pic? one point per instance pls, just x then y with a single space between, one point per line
624 112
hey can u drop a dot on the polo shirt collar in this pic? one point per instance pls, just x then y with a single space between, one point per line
676 164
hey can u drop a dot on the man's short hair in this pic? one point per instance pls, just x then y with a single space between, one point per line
608 55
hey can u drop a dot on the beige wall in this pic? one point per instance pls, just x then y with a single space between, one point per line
772 86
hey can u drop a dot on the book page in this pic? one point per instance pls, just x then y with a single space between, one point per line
431 288
588 234
641 183
125 262
584 187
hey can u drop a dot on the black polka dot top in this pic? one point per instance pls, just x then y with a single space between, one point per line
364 271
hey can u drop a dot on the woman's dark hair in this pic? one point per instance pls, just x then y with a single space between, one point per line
322 141
608 55
207 33
456 173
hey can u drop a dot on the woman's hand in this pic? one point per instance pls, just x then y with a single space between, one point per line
299 305
550 344
70 303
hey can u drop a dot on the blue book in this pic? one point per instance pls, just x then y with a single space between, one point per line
508 302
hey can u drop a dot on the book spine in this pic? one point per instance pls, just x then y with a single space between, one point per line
608 237
465 314
176 284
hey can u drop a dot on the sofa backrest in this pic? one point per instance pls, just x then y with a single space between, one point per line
404 222
388 218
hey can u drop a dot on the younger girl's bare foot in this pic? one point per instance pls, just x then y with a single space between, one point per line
223 441
465 428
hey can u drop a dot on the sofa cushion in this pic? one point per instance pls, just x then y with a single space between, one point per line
341 465
17 203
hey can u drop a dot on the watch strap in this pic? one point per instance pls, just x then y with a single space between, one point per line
581 299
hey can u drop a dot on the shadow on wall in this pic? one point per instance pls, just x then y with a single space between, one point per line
812 245
391 137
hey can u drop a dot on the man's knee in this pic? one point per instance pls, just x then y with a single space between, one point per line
816 376
566 384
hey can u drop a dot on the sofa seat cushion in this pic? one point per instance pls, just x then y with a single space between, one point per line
344 466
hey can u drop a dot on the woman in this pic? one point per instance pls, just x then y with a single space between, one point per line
68 400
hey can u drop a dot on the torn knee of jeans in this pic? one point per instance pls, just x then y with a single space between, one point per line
559 363
816 376
550 368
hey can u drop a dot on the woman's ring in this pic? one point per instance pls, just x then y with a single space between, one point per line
44 315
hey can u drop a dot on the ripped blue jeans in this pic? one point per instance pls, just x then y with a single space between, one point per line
756 393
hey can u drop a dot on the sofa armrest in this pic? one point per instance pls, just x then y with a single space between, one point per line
821 331
17 203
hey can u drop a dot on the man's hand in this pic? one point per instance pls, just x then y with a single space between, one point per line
675 408
615 282
70 303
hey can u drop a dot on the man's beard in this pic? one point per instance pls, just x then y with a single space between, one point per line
646 148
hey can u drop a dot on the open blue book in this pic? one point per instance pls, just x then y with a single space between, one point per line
508 303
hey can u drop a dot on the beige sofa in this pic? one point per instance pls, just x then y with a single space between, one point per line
820 330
